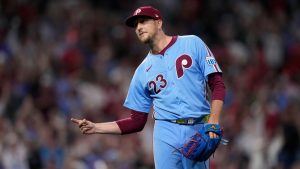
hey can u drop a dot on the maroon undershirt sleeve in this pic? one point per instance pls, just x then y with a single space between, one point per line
216 85
135 123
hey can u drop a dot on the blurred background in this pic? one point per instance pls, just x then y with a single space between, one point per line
75 58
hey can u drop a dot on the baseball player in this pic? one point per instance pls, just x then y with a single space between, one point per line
174 78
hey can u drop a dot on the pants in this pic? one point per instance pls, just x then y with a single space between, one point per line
168 138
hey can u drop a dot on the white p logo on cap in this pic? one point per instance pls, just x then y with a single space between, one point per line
137 11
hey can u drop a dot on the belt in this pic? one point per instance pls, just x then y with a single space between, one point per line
188 121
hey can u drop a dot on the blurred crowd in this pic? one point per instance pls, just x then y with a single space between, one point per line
75 58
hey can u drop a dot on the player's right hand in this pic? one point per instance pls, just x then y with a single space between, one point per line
85 126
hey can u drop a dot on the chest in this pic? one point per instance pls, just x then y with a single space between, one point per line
174 68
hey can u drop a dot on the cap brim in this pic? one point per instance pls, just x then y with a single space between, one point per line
130 20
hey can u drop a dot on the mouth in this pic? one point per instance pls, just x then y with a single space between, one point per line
141 33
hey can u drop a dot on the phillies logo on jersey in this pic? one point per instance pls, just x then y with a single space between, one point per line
183 62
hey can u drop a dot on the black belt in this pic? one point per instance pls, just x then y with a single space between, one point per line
188 121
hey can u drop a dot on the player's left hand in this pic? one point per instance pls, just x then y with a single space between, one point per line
200 146
211 134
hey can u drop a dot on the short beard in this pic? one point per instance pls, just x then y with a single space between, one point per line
148 41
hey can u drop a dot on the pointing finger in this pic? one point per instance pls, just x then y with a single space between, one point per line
77 121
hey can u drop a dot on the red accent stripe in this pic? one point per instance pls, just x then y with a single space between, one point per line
216 67
209 52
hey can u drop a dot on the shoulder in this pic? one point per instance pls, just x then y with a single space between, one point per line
143 65
191 39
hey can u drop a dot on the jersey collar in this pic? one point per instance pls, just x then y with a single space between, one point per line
173 40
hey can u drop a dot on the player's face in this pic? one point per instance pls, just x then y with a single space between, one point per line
145 29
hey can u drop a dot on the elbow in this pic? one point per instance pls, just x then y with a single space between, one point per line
133 124
140 128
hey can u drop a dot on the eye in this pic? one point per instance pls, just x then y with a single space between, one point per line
137 21
143 20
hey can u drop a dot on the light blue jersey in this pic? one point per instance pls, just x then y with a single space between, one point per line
175 83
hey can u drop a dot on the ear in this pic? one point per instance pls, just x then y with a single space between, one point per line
159 23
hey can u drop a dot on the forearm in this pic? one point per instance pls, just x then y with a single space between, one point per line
217 87
134 123
107 128
216 109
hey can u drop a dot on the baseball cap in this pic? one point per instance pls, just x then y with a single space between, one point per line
148 11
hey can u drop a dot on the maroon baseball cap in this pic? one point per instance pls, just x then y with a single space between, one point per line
147 11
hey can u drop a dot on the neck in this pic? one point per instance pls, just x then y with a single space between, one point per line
159 42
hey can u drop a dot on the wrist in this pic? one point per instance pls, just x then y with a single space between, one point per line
212 122
213 119
97 128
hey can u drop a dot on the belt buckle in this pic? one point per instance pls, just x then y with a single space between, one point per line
190 121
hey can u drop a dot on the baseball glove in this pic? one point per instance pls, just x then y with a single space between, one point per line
200 146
